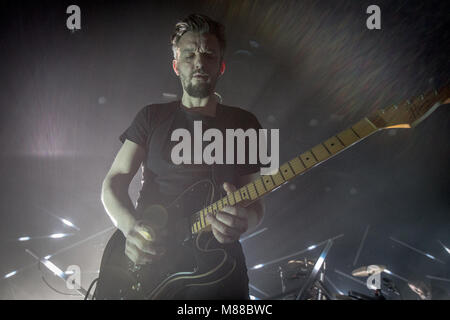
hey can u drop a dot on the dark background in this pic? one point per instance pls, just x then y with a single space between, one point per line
309 68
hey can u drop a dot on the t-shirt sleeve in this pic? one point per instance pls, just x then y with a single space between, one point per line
248 168
139 129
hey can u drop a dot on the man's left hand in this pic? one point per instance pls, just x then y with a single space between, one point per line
231 222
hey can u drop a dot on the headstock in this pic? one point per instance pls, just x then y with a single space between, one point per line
409 114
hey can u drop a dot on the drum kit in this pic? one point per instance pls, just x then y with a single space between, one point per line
303 279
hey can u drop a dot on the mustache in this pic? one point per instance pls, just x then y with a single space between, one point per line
199 73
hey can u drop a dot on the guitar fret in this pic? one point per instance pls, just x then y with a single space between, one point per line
252 191
231 199
268 181
301 160
371 123
224 201
244 193
286 171
348 137
202 218
278 178
308 160
363 128
326 148
314 156
320 153
237 196
356 133
334 145
297 165
260 186
339 139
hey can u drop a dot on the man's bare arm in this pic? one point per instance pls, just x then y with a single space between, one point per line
114 196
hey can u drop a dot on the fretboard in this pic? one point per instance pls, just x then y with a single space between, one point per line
288 171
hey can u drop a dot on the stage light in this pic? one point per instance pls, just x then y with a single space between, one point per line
58 235
10 274
47 257
24 238
312 247
387 271
417 250
258 266
67 222
443 246
57 271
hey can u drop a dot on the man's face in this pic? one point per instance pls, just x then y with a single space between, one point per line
198 63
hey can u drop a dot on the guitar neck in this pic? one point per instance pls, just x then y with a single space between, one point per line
288 171
406 115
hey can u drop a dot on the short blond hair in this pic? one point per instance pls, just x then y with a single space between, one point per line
201 24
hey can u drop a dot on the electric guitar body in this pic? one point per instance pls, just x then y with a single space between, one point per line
189 260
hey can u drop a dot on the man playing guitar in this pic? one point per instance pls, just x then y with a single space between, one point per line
198 44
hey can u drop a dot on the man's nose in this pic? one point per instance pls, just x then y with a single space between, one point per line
198 61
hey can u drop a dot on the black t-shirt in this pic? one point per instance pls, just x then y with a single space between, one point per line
163 181
152 128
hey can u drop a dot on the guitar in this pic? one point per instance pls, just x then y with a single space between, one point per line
189 260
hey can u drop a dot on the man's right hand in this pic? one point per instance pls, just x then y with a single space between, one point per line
140 245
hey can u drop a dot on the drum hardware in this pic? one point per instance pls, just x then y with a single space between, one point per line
390 285
312 279
314 282
294 270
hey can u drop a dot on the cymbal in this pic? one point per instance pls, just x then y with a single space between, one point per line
368 270
295 269
421 289
304 262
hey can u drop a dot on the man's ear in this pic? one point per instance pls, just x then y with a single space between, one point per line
175 67
222 68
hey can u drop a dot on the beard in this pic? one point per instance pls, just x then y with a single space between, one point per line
199 89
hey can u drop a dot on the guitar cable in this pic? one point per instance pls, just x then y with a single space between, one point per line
89 290
56 290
